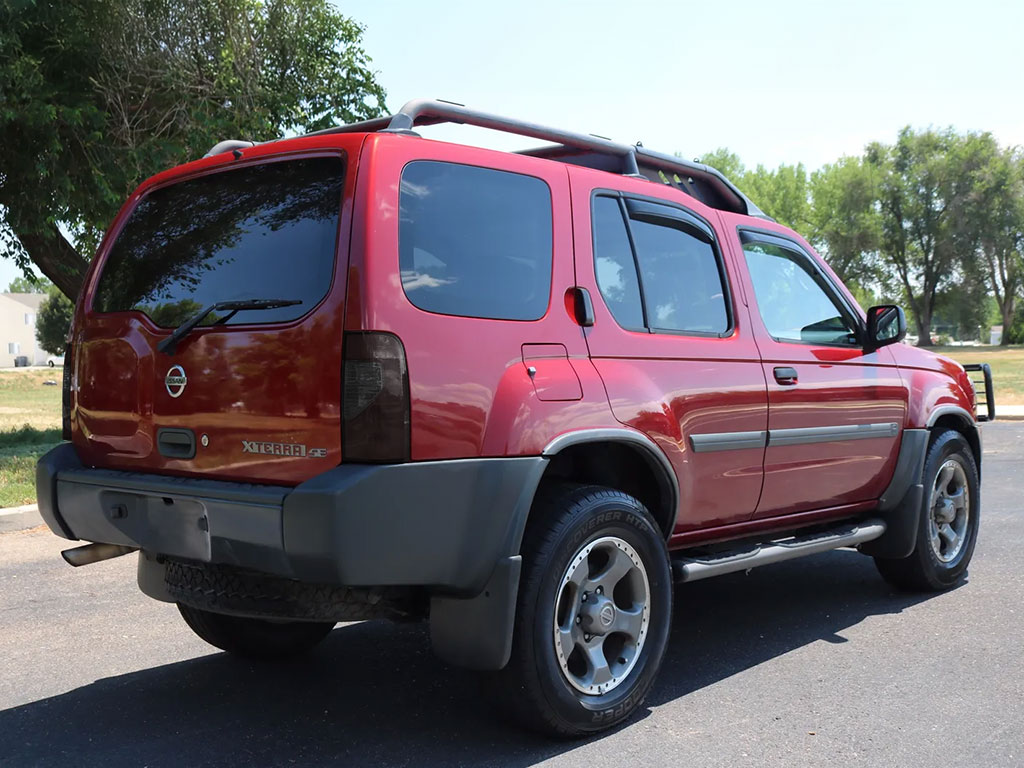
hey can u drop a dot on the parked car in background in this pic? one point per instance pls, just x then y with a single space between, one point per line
55 360
360 374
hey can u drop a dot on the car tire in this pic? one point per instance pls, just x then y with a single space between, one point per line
948 529
260 639
50 363
587 543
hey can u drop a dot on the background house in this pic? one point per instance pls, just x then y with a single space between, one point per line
18 328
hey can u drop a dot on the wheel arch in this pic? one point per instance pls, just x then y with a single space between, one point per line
613 457
619 458
956 418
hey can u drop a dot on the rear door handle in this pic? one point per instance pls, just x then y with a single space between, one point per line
583 306
786 376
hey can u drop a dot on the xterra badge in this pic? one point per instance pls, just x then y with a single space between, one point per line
175 381
282 449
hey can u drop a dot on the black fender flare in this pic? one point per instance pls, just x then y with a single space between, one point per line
476 632
902 503
646 447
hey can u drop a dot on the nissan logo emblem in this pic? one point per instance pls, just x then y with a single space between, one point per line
175 381
607 614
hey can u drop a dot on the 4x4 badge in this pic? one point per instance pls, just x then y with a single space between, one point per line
175 381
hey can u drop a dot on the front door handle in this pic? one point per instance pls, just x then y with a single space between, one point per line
786 376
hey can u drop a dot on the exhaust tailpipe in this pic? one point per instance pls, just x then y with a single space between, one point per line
93 553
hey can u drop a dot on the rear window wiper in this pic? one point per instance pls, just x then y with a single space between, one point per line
170 344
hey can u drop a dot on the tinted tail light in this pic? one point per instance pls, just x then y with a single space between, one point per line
375 399
65 406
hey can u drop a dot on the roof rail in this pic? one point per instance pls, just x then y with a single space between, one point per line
431 112
673 164
637 161
228 145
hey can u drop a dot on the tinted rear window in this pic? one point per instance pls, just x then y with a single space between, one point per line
614 264
474 241
682 283
259 232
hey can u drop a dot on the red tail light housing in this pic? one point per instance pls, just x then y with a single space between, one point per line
375 399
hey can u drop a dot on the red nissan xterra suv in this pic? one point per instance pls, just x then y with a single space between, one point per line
361 374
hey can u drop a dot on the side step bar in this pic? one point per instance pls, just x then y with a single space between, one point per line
696 567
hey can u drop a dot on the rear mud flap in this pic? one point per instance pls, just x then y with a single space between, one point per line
476 633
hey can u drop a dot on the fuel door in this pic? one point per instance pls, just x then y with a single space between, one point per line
549 368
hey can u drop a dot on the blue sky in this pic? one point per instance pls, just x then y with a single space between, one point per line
775 81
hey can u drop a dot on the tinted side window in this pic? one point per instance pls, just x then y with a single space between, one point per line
257 232
681 280
614 265
794 305
474 241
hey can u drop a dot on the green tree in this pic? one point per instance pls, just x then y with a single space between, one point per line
725 162
921 180
844 220
26 285
781 192
962 309
991 219
97 95
1015 331
53 321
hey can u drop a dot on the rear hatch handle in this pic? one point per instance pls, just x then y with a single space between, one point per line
169 345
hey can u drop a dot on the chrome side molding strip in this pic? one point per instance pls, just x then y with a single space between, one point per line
734 441
728 441
805 435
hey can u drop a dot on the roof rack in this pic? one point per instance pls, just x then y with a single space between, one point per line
701 181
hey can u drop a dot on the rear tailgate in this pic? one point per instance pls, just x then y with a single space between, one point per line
247 395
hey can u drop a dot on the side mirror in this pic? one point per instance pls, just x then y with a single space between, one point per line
886 325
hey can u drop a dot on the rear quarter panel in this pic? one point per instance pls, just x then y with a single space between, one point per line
470 390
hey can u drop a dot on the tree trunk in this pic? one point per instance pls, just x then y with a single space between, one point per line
57 259
924 327
1006 309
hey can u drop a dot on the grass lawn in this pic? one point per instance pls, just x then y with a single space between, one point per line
25 400
19 450
29 427
1007 369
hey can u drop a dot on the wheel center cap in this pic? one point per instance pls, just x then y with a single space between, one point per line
598 615
944 511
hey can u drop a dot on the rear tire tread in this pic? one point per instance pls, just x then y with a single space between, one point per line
558 507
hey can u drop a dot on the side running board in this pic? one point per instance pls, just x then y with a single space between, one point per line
694 567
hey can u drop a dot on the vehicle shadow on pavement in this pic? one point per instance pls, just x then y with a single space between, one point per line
373 694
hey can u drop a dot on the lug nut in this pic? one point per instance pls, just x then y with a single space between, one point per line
586 638
600 590
579 619
584 597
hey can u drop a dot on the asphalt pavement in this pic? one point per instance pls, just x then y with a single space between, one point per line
809 663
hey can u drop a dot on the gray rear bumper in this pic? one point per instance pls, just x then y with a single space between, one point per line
441 524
